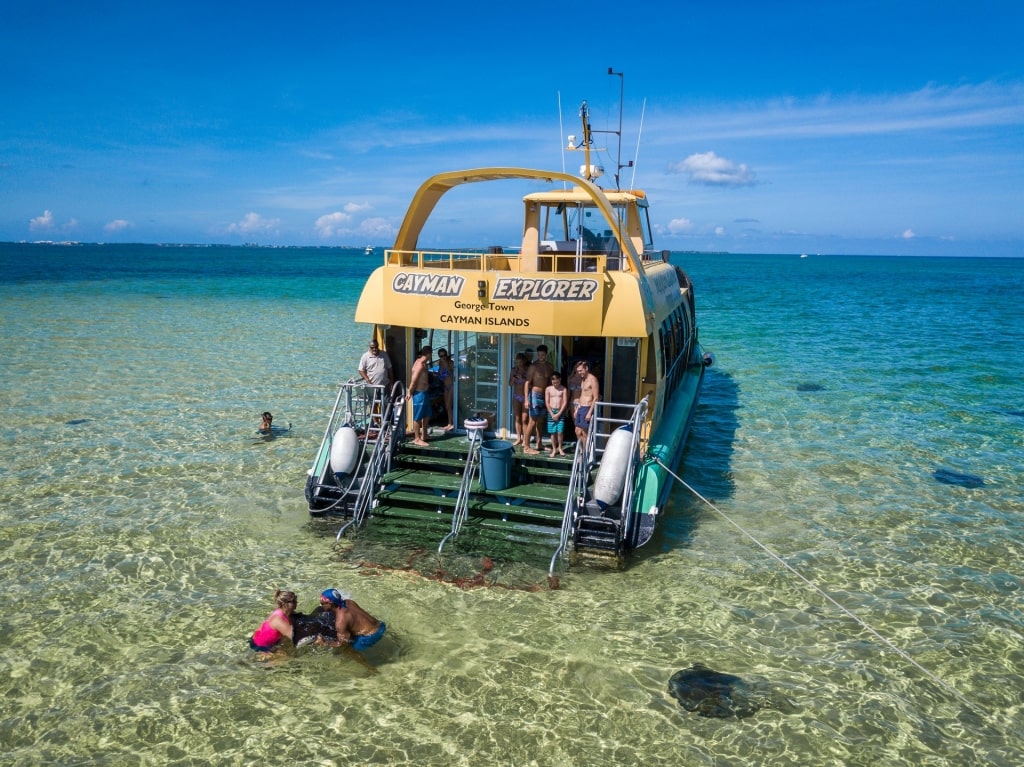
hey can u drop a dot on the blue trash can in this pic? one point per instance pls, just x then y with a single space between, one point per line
496 464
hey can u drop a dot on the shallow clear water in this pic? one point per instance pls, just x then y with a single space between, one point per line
144 526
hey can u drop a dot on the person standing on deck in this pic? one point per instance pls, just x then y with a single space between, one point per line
517 380
419 385
375 366
446 375
589 394
538 376
556 400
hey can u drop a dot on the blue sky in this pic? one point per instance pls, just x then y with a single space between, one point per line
855 127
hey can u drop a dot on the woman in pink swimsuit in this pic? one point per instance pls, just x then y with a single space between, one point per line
277 626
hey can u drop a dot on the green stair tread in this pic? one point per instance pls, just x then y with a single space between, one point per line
444 519
476 504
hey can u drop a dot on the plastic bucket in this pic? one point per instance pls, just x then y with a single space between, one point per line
496 464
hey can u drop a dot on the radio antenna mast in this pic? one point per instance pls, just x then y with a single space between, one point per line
618 160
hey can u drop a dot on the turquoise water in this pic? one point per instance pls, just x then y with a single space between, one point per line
144 526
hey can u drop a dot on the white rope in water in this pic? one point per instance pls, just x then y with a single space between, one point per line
825 595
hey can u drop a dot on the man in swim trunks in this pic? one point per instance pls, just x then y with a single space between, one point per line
356 627
538 376
589 393
419 385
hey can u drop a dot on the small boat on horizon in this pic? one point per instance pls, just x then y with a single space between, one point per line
586 282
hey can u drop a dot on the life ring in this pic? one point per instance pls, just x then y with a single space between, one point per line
344 450
611 476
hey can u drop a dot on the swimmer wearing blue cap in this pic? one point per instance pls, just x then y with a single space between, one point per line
355 627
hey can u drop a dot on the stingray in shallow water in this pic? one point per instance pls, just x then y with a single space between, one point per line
809 387
306 628
960 478
713 694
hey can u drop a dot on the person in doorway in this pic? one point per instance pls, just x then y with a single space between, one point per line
446 375
589 393
375 366
556 400
355 627
538 376
277 626
419 385
517 380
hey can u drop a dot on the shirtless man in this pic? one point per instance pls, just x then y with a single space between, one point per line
538 376
589 393
419 384
355 627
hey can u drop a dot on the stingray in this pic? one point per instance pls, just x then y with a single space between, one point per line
711 693
308 628
809 387
959 478
76 421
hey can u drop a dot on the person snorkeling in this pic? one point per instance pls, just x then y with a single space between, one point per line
267 423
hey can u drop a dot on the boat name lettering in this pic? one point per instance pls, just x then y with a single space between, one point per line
524 289
428 284
470 319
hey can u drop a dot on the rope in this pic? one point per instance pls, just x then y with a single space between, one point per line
828 597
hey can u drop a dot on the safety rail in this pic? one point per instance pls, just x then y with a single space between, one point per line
574 499
555 261
384 422
461 510
602 424
358 416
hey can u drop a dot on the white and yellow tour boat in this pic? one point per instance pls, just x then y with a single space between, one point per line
585 282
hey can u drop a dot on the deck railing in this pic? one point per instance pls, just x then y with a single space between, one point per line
555 261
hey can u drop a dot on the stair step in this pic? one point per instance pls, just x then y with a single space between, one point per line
478 505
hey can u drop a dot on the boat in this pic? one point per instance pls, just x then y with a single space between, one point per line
585 281
368 250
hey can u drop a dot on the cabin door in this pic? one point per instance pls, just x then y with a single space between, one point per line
478 381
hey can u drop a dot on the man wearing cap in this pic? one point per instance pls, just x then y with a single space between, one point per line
375 366
354 625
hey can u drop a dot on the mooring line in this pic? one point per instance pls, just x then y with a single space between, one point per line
825 595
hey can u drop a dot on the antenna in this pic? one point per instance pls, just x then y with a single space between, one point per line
643 110
618 160
560 133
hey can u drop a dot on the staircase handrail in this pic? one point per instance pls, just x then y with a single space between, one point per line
461 510
391 413
636 423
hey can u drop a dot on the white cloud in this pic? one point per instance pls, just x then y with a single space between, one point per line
42 222
679 225
254 222
711 170
377 228
908 234
720 230
331 224
356 207
117 225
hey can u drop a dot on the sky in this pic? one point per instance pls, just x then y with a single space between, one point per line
856 127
